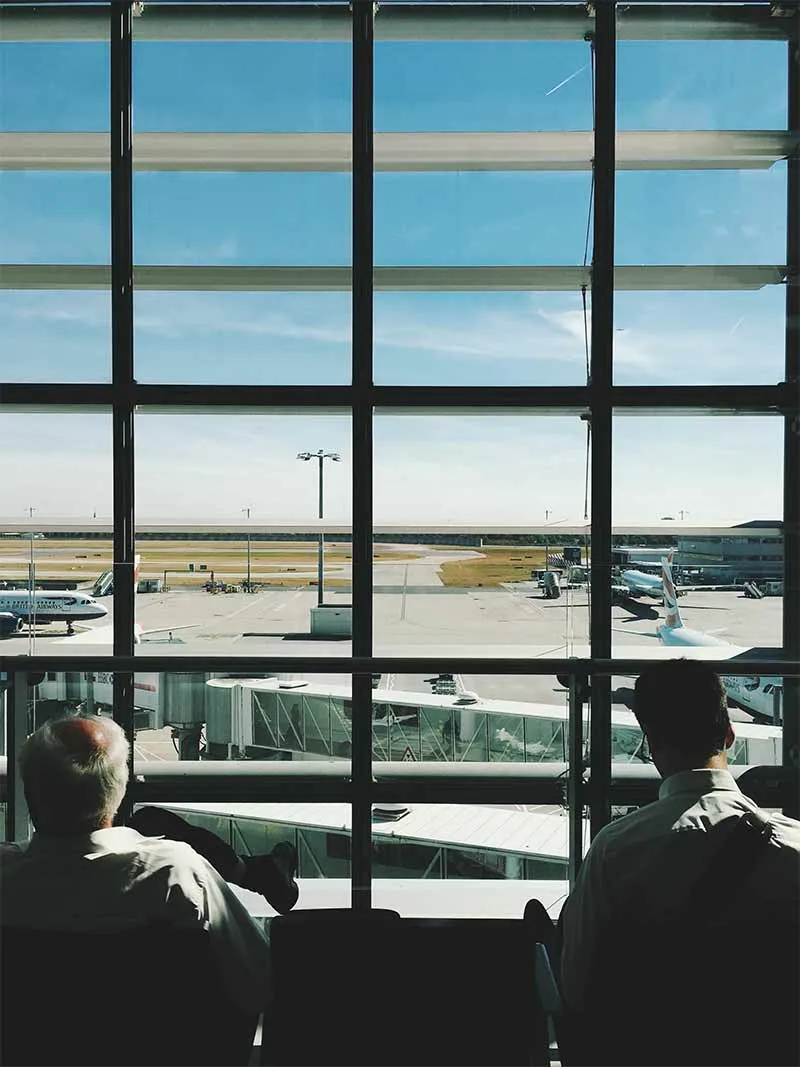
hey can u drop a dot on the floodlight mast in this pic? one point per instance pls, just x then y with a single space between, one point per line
320 455
246 513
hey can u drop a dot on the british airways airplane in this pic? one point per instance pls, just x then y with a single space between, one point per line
104 635
18 607
757 695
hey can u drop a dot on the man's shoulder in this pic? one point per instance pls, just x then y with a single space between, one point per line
628 825
786 831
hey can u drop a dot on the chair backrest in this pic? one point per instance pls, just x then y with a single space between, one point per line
471 986
663 994
330 996
541 926
371 988
147 996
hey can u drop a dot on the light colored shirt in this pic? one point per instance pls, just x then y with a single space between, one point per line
116 879
647 862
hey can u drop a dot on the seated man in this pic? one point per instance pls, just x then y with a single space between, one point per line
663 860
80 872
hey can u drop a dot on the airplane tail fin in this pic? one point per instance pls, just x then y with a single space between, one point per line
672 618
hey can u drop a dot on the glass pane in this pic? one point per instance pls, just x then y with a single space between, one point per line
523 85
701 85
225 505
720 520
234 337
480 501
700 338
54 86
260 177
481 338
242 86
49 559
50 336
472 218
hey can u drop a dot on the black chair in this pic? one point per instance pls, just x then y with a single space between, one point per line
334 988
541 927
141 997
471 986
662 995
371 988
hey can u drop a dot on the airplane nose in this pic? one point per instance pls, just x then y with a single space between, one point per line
100 611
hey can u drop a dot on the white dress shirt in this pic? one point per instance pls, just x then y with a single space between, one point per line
116 879
646 862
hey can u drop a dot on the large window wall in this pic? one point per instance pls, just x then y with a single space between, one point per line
364 315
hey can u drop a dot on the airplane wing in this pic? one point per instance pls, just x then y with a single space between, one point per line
727 588
639 633
168 629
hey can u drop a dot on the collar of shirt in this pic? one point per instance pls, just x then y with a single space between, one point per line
113 839
697 782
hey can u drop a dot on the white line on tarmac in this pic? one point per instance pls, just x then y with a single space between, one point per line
294 596
148 753
239 611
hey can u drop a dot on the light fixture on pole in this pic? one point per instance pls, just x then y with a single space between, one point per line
320 456
31 586
246 513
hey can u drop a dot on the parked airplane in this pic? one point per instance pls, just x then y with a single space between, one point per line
18 607
760 696
104 635
635 583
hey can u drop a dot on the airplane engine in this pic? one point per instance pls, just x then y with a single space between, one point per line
9 624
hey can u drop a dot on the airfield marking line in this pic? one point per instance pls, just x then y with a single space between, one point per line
239 611
147 752
279 607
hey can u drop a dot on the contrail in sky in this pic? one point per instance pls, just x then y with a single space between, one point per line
737 324
569 79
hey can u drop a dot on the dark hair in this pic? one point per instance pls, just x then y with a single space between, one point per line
682 703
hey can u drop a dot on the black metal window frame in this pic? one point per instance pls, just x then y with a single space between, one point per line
363 783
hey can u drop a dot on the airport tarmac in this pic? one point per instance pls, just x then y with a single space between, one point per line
419 620
516 621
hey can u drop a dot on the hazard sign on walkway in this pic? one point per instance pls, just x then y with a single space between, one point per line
408 755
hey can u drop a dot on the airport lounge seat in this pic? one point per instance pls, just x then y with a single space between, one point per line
711 995
334 987
473 987
371 988
150 996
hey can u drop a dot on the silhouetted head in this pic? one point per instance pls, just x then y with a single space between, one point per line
74 772
682 708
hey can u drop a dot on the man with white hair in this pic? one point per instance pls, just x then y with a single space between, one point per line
80 872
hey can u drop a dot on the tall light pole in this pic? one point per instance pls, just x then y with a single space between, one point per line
320 456
246 513
546 540
31 586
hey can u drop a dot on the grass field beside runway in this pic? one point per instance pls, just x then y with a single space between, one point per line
271 562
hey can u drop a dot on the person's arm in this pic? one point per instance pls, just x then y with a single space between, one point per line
584 917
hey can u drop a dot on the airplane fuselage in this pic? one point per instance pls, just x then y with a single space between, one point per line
755 694
641 584
51 607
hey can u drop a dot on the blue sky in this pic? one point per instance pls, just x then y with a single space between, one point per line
427 467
